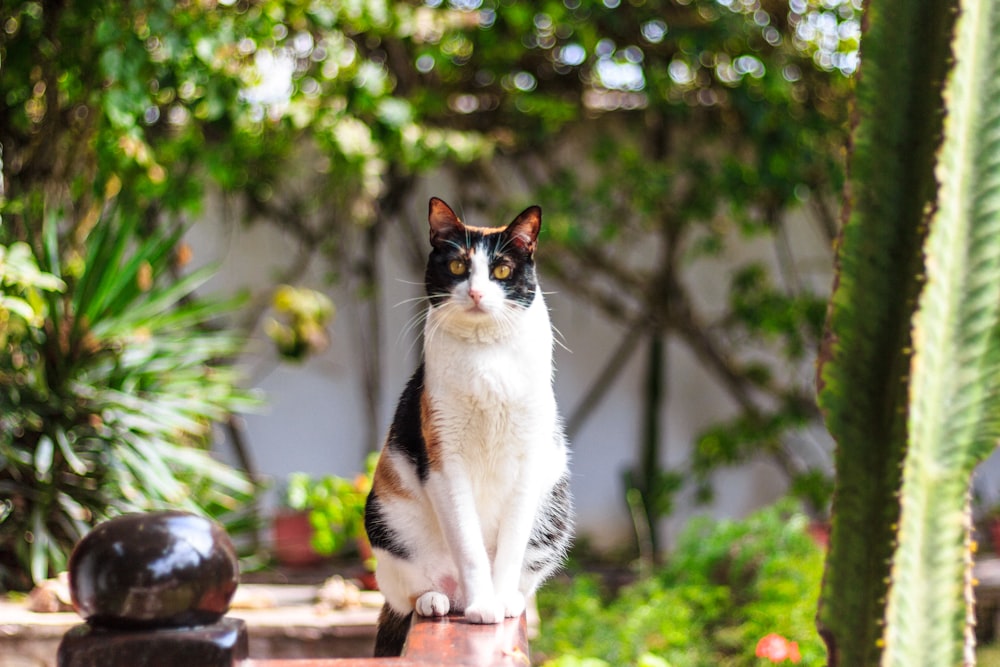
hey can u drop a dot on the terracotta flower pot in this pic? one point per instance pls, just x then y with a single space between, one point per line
994 526
293 539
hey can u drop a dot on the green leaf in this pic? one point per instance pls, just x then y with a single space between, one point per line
18 267
39 547
153 253
75 463
151 305
104 252
19 307
43 458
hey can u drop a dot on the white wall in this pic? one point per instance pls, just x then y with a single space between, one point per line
311 422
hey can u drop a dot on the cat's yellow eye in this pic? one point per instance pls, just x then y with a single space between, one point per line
457 267
501 272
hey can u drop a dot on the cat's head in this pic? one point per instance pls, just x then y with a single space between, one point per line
481 272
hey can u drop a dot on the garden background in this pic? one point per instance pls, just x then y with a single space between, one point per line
213 226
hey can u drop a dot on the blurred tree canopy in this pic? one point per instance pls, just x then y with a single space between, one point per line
654 132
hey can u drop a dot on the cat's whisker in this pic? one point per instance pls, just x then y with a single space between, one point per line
415 299
508 318
467 238
502 247
417 319
416 340
559 339
410 282
415 323
441 315
409 334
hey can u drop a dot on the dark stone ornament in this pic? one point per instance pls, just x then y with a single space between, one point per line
153 588
159 569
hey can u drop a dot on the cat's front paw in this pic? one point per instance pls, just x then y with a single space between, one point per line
513 604
485 611
433 604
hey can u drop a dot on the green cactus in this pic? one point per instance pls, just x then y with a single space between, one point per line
908 376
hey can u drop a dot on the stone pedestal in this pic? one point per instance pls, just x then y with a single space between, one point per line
221 644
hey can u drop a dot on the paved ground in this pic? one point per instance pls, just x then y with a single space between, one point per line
284 621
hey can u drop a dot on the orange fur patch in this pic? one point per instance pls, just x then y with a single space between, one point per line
432 443
386 481
485 231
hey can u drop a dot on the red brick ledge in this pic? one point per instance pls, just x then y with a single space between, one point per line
445 641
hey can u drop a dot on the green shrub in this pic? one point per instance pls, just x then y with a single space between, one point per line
336 505
728 585
109 384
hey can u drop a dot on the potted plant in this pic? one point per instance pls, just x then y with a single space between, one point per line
324 516
292 536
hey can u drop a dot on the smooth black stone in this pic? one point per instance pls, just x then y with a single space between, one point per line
158 569
222 644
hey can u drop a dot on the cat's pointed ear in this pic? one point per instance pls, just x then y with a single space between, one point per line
443 221
523 232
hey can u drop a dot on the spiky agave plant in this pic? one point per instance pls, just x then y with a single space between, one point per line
107 405
910 373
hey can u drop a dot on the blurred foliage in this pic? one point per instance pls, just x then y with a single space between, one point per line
726 586
21 282
336 505
161 95
107 393
305 315
658 135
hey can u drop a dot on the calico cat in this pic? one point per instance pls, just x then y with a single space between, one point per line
470 507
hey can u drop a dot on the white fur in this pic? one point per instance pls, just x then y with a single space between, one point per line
496 464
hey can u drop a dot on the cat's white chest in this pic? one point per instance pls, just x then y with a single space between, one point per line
492 378
508 370
494 402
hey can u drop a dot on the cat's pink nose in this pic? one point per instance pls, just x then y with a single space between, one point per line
476 296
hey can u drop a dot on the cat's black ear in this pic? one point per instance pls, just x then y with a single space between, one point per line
523 232
443 221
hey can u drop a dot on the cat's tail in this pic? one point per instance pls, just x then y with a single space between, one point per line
392 630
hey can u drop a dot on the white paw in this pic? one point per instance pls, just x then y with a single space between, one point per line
484 611
433 604
513 604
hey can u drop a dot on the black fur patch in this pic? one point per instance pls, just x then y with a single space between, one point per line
393 628
406 432
380 535
552 532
